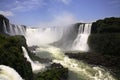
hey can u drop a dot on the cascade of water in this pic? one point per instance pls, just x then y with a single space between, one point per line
11 30
21 30
8 73
36 66
5 28
78 70
80 43
42 36
14 29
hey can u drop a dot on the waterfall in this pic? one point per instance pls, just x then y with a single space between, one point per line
5 27
70 37
17 30
80 43
42 36
8 73
78 70
12 29
36 66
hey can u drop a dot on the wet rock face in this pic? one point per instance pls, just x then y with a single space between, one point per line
1 23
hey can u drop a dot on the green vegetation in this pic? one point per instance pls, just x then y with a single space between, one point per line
104 42
108 25
53 74
11 55
105 37
108 43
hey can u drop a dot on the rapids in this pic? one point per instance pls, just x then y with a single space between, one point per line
78 70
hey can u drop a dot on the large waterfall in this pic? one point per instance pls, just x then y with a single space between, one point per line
42 36
53 41
80 43
78 70
66 37
8 73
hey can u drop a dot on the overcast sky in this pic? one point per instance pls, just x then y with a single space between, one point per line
38 12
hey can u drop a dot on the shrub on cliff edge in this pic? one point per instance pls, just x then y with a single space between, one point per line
108 43
11 54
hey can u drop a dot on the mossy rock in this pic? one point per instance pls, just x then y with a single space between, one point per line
11 54
108 43
53 74
107 25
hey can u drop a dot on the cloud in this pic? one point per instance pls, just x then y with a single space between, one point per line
115 3
62 19
26 5
7 13
64 1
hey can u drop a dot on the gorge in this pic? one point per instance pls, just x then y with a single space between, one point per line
53 42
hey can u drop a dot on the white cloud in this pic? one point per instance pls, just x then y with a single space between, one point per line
7 13
115 3
64 1
62 19
27 5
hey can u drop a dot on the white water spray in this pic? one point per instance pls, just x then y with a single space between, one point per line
42 36
8 73
80 43
78 70
36 66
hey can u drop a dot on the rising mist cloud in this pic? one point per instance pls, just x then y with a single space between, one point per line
64 1
63 19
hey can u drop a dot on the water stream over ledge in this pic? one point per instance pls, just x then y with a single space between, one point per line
78 70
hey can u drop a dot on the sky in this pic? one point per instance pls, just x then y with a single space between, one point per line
40 12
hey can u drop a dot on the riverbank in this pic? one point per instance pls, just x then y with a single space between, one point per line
112 63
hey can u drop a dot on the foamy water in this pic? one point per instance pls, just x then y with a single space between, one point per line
78 70
8 73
